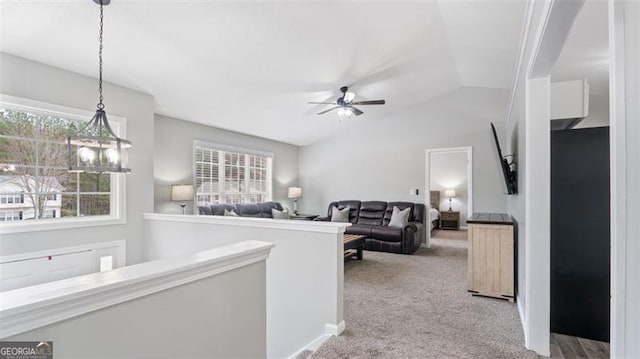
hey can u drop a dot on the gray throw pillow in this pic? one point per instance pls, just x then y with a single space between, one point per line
340 215
230 213
399 218
284 214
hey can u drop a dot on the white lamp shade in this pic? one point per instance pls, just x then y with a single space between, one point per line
295 192
450 193
181 192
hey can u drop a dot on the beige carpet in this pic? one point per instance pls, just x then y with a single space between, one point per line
399 306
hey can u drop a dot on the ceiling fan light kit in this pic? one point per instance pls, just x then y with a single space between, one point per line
345 104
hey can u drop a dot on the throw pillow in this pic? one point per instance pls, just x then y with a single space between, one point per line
340 215
230 213
399 218
284 214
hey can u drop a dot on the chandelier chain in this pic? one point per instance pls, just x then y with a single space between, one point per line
100 104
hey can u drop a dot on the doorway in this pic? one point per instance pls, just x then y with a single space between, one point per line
449 195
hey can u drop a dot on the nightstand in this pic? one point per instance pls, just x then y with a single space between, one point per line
450 220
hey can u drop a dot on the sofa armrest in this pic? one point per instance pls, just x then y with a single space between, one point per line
322 219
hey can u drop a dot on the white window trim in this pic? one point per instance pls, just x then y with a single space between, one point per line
227 148
118 183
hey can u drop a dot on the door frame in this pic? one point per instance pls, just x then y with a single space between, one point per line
466 149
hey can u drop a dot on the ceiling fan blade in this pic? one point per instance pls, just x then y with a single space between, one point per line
331 109
356 111
322 103
372 102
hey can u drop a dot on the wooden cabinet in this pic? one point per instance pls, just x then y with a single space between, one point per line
450 220
490 264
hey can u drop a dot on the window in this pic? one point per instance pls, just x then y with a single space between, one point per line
11 197
10 216
227 175
33 167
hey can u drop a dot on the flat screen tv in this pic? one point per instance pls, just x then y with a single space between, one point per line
509 175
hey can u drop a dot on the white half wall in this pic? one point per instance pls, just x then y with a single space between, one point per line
384 159
209 304
36 81
173 159
305 273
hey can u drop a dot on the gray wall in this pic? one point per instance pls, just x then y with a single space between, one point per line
449 170
173 159
384 159
36 81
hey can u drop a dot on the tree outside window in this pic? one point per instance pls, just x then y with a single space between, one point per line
33 162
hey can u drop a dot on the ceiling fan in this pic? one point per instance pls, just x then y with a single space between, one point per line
344 104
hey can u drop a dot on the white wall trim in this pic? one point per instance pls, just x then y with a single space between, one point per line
524 40
557 18
313 346
40 305
267 223
427 178
119 244
331 329
523 322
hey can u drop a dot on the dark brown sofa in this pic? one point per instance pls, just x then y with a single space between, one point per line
259 210
371 219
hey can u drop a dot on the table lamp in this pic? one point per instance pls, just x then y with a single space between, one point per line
295 193
182 193
450 193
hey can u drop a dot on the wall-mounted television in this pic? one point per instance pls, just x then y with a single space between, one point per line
509 174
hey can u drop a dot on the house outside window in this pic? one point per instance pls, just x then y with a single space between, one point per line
34 176
224 174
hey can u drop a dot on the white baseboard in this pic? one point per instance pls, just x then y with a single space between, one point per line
329 331
332 329
313 346
522 321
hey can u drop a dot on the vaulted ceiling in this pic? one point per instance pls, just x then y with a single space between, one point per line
252 66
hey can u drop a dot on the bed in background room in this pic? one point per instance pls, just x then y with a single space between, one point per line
434 213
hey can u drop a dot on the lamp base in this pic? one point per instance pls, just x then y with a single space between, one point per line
183 205
295 207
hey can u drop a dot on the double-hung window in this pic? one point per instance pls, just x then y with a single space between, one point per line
34 177
224 174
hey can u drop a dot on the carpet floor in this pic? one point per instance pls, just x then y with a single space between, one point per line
417 306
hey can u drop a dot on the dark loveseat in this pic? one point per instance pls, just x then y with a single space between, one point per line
259 210
371 218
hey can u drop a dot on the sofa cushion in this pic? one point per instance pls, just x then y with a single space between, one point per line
218 209
340 215
387 234
401 206
399 218
266 207
361 229
354 209
249 210
372 212
284 214
204 210
230 213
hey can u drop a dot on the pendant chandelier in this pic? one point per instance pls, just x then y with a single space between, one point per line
96 148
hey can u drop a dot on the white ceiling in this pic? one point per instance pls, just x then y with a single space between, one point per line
586 52
251 66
